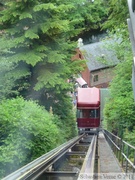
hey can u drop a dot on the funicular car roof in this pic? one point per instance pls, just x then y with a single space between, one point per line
88 97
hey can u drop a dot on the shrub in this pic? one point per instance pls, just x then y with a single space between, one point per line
27 131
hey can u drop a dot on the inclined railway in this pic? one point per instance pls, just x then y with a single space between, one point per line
86 156
70 161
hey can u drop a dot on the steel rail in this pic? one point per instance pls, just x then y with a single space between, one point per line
39 165
87 170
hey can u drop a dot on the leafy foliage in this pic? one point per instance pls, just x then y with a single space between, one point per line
39 34
27 131
40 42
117 14
130 137
119 112
38 50
66 114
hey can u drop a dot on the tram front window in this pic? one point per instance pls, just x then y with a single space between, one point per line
83 113
87 113
93 113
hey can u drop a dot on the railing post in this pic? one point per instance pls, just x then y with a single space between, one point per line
117 150
127 158
120 151
134 163
112 147
122 148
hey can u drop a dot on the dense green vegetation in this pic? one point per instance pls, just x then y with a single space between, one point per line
120 110
27 131
38 41
41 39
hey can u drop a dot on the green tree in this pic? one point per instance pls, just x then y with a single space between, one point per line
37 54
119 111
117 14
27 132
40 41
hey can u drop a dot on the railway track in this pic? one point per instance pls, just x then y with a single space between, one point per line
70 161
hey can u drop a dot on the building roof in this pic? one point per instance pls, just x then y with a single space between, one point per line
98 56
88 97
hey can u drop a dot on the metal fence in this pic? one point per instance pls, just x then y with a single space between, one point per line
124 152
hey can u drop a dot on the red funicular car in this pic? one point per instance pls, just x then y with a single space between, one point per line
88 110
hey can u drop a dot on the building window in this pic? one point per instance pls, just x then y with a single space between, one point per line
95 78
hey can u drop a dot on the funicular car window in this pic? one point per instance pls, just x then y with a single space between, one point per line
79 113
87 113
82 113
93 113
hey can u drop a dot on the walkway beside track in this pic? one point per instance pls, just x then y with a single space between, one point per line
108 164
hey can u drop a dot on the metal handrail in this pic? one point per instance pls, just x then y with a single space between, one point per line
31 168
89 161
122 150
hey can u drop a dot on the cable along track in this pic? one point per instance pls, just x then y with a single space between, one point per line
70 161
